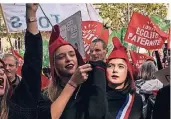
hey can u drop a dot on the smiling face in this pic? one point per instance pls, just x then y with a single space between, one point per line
116 73
3 79
66 60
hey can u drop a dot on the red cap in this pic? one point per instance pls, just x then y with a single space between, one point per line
55 42
119 51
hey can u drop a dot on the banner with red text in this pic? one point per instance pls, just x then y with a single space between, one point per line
139 58
144 33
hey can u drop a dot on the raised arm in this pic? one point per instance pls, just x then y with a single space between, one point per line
31 71
29 88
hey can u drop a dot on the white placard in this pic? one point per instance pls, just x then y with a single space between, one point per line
14 15
71 31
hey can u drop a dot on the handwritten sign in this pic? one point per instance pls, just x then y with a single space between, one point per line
71 31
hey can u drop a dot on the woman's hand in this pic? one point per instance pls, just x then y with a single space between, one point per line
31 19
80 75
32 6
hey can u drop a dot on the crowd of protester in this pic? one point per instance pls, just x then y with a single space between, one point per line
101 88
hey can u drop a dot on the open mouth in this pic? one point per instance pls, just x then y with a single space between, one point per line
1 83
69 66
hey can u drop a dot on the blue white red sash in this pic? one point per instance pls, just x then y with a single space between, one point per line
126 107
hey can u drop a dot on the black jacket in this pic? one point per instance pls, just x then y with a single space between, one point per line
162 104
24 98
116 99
105 104
91 101
84 102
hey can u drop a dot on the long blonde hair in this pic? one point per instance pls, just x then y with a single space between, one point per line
55 87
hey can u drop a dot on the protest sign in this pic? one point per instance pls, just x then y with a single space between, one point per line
138 58
144 33
70 30
90 31
14 15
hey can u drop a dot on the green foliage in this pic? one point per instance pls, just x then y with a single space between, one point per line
163 25
45 53
21 52
120 14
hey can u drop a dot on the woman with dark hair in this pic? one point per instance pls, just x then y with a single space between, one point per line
22 101
121 101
